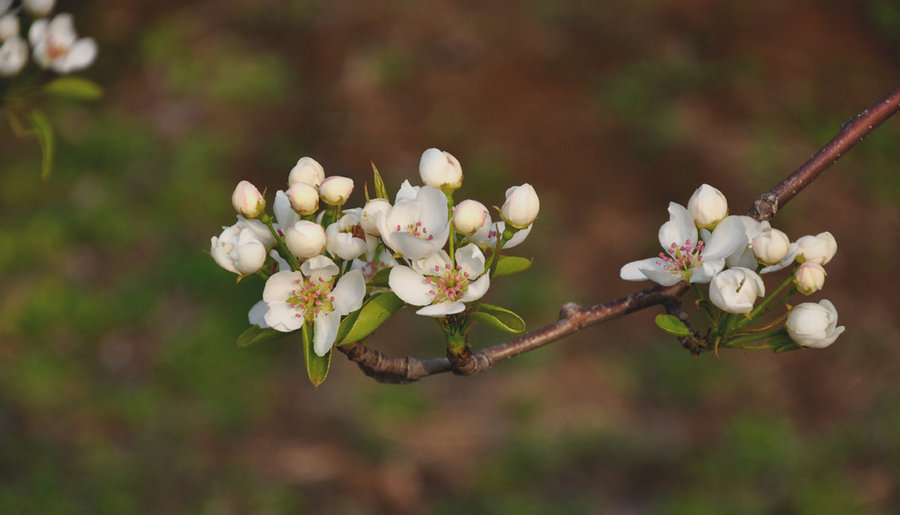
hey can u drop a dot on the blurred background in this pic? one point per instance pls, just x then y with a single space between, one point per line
121 389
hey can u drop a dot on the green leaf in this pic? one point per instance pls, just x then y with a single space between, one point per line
508 265
256 334
381 278
373 313
44 133
499 318
672 325
73 88
380 189
782 343
316 366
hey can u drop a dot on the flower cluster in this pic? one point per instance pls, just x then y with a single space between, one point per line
54 43
325 263
702 243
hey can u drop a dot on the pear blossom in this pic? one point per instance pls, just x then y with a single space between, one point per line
312 296
345 238
304 198
809 278
369 216
707 206
374 264
9 25
308 171
406 192
469 216
238 250
418 227
13 56
39 7
440 169
335 190
813 325
247 200
305 239
284 212
771 246
438 286
521 206
687 258
816 249
735 290
486 235
57 46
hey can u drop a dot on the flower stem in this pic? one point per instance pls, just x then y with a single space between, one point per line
295 265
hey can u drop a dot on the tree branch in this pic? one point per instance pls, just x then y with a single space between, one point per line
573 318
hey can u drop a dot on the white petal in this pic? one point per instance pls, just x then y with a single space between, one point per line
442 309
661 276
679 229
477 289
282 318
518 237
80 55
412 247
349 292
319 269
279 286
634 271
257 314
432 264
284 214
727 238
38 32
708 270
410 286
470 260
326 329
406 192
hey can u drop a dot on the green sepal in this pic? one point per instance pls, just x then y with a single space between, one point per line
380 189
782 343
73 88
672 325
363 322
499 318
316 366
508 265
255 334
381 278
43 131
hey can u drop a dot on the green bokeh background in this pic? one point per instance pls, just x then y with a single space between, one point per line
121 390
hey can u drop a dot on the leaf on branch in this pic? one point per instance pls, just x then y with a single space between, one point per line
782 343
672 325
256 334
380 189
507 265
499 318
374 312
44 133
73 88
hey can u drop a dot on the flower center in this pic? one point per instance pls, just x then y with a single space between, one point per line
682 259
55 50
310 298
356 231
449 284
370 268
417 229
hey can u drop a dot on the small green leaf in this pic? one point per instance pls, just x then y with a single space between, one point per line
316 366
73 88
380 189
672 325
255 334
499 318
44 133
782 343
381 278
374 312
508 265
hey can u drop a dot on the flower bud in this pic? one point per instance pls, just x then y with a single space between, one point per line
816 249
13 56
345 238
771 246
305 239
521 206
247 200
304 198
335 190
9 26
813 325
39 7
440 169
809 278
707 206
369 217
238 250
469 216
735 290
308 171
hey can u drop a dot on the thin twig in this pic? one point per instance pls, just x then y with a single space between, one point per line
573 318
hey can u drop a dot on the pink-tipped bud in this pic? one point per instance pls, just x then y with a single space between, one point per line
247 200
809 278
304 198
440 169
335 190
308 171
469 216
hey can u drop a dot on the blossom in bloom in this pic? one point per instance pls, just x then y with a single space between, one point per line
809 278
438 286
247 200
707 206
39 7
311 296
771 246
813 325
335 190
304 198
305 239
57 46
469 216
816 249
735 290
440 169
238 250
417 227
346 239
686 258
373 265
521 206
13 56
308 171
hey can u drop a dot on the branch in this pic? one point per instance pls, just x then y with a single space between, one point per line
574 317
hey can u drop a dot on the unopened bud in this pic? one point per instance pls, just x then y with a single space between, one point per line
308 171
247 200
440 169
335 190
707 206
521 206
304 198
771 246
813 325
305 239
816 249
809 278
368 219
469 216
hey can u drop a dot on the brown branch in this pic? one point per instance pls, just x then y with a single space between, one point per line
574 318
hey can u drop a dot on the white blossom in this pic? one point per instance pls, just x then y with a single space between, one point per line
735 290
308 171
809 278
707 206
304 198
247 200
418 227
305 239
816 249
346 239
440 169
335 190
13 56
521 206
469 216
813 325
438 286
238 250
57 46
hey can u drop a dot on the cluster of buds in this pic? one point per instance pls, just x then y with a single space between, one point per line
704 244
54 43
326 264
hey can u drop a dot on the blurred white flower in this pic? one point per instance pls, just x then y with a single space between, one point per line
13 56
57 46
39 7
